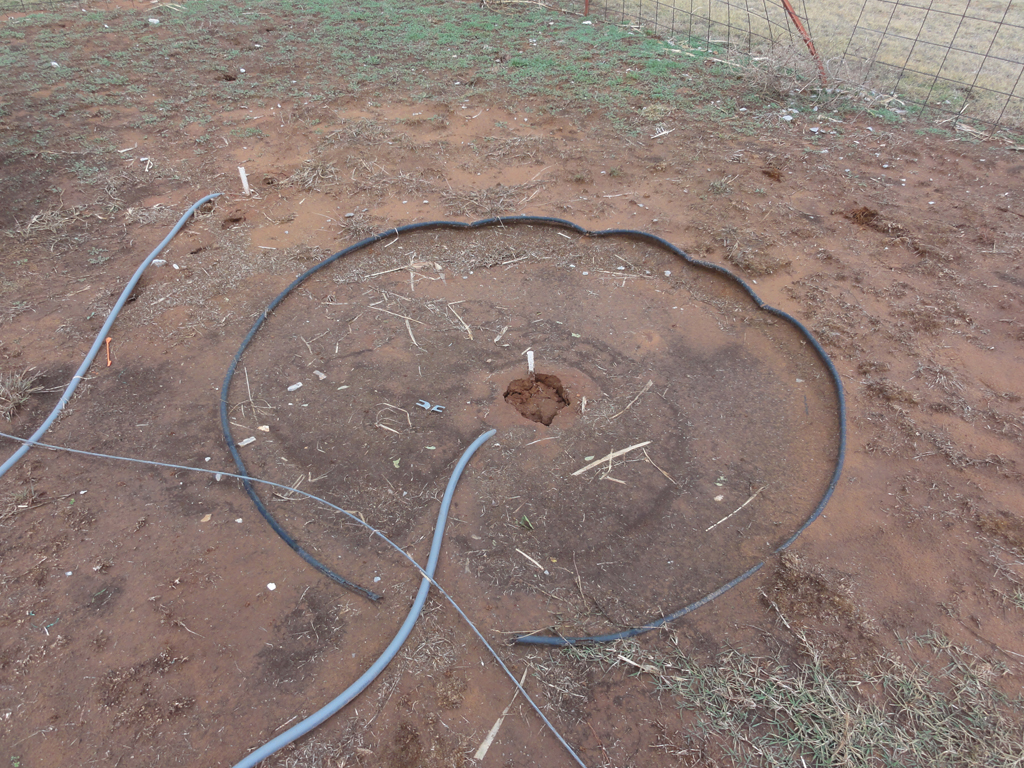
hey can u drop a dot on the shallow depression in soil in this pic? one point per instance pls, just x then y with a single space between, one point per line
409 349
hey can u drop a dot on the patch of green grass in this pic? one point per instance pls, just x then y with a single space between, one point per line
248 132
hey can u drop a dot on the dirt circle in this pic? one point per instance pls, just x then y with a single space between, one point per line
377 372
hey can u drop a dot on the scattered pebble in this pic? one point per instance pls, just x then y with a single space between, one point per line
246 442
376 579
218 477
295 386
206 518
719 497
271 586
263 428
238 519
668 273
320 375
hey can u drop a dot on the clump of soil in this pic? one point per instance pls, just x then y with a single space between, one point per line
538 399
868 217
1005 526
802 590
891 391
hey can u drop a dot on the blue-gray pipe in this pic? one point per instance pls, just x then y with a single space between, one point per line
311 722
98 344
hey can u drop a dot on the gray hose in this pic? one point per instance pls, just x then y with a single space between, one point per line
96 345
311 722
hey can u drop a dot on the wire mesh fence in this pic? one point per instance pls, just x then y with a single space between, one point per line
957 60
951 59
963 58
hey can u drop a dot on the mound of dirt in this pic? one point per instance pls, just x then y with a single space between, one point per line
539 398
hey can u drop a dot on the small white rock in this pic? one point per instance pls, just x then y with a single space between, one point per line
271 586
246 442
295 386
320 375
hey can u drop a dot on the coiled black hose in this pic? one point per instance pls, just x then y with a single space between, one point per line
568 225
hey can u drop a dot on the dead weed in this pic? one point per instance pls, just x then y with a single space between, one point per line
15 391
498 200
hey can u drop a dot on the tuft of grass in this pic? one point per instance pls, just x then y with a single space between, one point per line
1017 598
15 391
723 186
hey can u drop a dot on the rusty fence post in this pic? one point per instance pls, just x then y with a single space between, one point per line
807 40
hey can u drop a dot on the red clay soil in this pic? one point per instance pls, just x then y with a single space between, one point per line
539 398
150 617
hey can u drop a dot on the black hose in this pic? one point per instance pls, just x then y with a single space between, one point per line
562 224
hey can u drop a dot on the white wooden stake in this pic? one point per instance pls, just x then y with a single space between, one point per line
245 181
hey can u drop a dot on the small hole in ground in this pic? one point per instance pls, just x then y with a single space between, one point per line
538 399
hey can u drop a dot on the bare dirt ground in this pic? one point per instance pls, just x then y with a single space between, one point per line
150 616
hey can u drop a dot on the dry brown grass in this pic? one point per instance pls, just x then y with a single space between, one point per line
765 711
15 391
51 221
498 200
314 175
